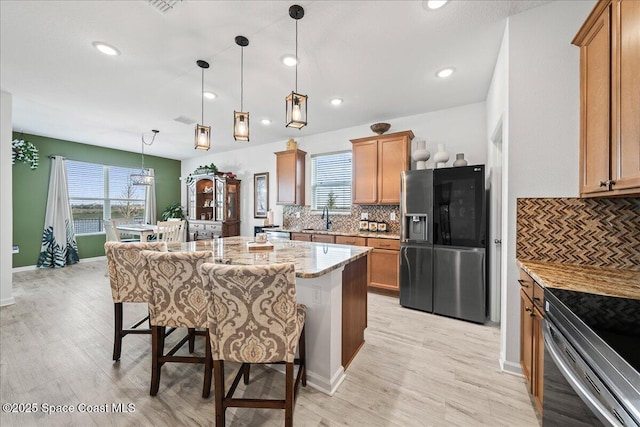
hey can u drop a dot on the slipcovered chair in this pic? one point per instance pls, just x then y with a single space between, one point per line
177 300
127 276
170 231
254 318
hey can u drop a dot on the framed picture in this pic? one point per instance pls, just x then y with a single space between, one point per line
260 194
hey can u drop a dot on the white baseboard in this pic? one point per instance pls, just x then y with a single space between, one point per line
7 301
512 368
34 267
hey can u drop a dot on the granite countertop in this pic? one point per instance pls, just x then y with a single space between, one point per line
310 259
376 234
584 278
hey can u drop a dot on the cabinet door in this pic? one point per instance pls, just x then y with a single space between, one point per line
595 75
384 266
365 172
526 337
233 199
323 238
351 240
538 358
305 237
393 158
286 177
191 201
626 101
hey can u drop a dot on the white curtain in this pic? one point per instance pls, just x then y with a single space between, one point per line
150 201
58 247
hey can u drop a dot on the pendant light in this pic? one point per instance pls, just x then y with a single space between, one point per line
240 118
296 114
203 133
144 177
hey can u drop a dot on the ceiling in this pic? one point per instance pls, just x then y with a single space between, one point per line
379 56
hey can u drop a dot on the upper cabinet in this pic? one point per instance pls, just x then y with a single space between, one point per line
609 43
290 177
377 163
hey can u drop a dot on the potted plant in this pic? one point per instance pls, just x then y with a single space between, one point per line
174 210
24 152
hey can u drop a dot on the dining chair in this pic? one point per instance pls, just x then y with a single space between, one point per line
177 300
113 235
129 283
170 231
254 318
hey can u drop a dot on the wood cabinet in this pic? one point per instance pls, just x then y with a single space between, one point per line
384 264
323 238
213 207
305 237
377 163
351 240
531 336
609 44
290 182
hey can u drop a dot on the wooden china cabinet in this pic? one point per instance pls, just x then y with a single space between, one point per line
213 207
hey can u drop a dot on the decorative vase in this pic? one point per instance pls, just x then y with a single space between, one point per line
460 161
441 157
292 144
420 154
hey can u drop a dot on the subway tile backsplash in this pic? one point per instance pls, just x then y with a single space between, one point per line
343 223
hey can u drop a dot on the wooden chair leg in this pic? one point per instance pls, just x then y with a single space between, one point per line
288 408
192 339
219 392
208 368
302 352
247 369
157 349
117 336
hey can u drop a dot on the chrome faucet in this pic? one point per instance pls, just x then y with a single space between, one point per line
326 209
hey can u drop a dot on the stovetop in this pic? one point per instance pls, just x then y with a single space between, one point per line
615 320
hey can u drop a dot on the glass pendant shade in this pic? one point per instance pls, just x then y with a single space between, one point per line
240 126
142 178
203 137
296 110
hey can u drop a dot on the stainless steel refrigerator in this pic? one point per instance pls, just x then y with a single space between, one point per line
443 242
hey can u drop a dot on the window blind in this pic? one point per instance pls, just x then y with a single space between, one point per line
331 174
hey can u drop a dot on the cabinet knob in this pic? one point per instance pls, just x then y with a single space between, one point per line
612 182
604 183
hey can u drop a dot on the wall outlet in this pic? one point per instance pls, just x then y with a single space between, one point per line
392 217
297 214
364 216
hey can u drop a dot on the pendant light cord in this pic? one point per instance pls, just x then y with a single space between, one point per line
296 56
155 132
241 78
202 98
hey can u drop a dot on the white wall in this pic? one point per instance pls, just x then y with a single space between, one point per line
6 213
543 127
462 129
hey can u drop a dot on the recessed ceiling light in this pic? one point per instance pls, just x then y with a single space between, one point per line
336 101
210 95
434 4
445 72
265 122
106 49
289 60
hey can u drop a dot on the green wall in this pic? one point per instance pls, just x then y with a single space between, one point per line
30 188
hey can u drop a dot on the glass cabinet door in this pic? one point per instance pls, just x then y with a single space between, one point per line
232 202
191 200
220 199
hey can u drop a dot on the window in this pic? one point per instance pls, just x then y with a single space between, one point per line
99 192
331 181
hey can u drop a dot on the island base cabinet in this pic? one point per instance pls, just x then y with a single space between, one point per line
354 309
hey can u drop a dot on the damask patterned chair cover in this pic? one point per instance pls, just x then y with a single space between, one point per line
254 318
177 299
127 276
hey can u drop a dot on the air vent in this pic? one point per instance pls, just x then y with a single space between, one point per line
163 5
185 120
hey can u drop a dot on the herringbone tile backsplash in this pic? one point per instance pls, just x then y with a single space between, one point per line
601 232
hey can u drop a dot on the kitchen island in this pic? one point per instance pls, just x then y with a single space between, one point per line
331 280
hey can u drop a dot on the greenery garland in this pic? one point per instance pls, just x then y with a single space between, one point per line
24 152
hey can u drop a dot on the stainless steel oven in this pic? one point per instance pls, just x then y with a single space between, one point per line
592 359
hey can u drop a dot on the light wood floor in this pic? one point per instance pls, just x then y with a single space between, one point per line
415 369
